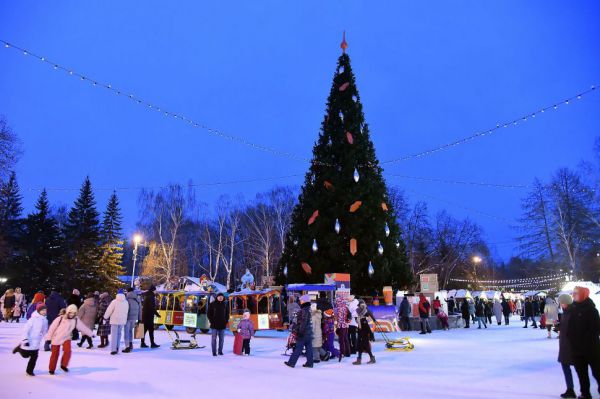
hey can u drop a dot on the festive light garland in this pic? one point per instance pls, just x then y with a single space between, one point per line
274 151
517 280
498 127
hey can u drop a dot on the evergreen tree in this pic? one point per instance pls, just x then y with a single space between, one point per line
82 235
10 225
111 262
42 248
344 191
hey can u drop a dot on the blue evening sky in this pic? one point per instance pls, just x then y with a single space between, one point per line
428 73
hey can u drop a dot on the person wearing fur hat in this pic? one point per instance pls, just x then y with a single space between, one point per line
103 325
75 298
39 297
364 333
8 305
87 314
303 331
329 334
246 331
116 315
35 329
564 347
60 333
148 314
551 313
343 315
583 335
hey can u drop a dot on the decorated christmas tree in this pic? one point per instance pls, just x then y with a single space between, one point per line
344 222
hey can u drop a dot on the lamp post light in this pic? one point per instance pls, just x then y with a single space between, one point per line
476 259
137 239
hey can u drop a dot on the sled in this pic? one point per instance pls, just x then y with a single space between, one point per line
396 345
177 343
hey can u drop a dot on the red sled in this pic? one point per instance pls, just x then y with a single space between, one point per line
237 344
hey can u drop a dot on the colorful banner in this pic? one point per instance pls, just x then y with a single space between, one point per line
386 318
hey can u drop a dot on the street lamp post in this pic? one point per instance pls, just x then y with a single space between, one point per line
136 240
476 261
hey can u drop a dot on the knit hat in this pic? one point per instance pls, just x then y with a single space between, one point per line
39 297
565 299
305 298
220 294
75 291
72 309
328 313
584 293
40 307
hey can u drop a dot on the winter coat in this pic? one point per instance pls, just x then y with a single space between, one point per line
218 314
149 308
564 346
9 301
135 308
404 308
31 310
303 326
342 313
35 329
451 305
317 338
487 309
551 312
246 329
498 311
353 306
62 328
584 328
424 307
519 305
437 304
471 306
505 308
328 326
103 325
117 311
536 308
19 303
87 313
528 309
74 300
292 309
479 309
464 309
54 303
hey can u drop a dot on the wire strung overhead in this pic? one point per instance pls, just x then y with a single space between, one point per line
271 150
154 107
469 183
539 279
499 126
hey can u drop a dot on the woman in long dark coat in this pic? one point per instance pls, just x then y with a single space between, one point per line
364 332
103 325
564 349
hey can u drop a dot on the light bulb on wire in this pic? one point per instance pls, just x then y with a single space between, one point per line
356 175
285 271
371 269
338 227
387 230
379 248
315 247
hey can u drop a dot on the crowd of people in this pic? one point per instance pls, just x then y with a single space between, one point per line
53 323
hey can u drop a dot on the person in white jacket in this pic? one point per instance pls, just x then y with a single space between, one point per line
117 314
60 334
352 325
35 329
551 313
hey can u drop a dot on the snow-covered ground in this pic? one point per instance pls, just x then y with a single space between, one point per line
499 362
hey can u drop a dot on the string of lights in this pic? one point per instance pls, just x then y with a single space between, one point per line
151 106
470 183
264 148
499 126
537 279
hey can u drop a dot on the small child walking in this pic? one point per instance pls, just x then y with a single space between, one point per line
443 318
60 334
35 329
246 331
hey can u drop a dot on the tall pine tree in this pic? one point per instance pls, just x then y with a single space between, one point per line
344 220
10 226
82 235
111 262
41 266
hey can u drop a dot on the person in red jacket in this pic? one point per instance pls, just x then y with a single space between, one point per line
437 305
424 308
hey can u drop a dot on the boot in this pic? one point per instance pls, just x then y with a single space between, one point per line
103 342
357 362
153 346
569 394
372 361
143 344
17 349
128 349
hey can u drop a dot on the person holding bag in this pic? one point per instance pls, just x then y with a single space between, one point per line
134 315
